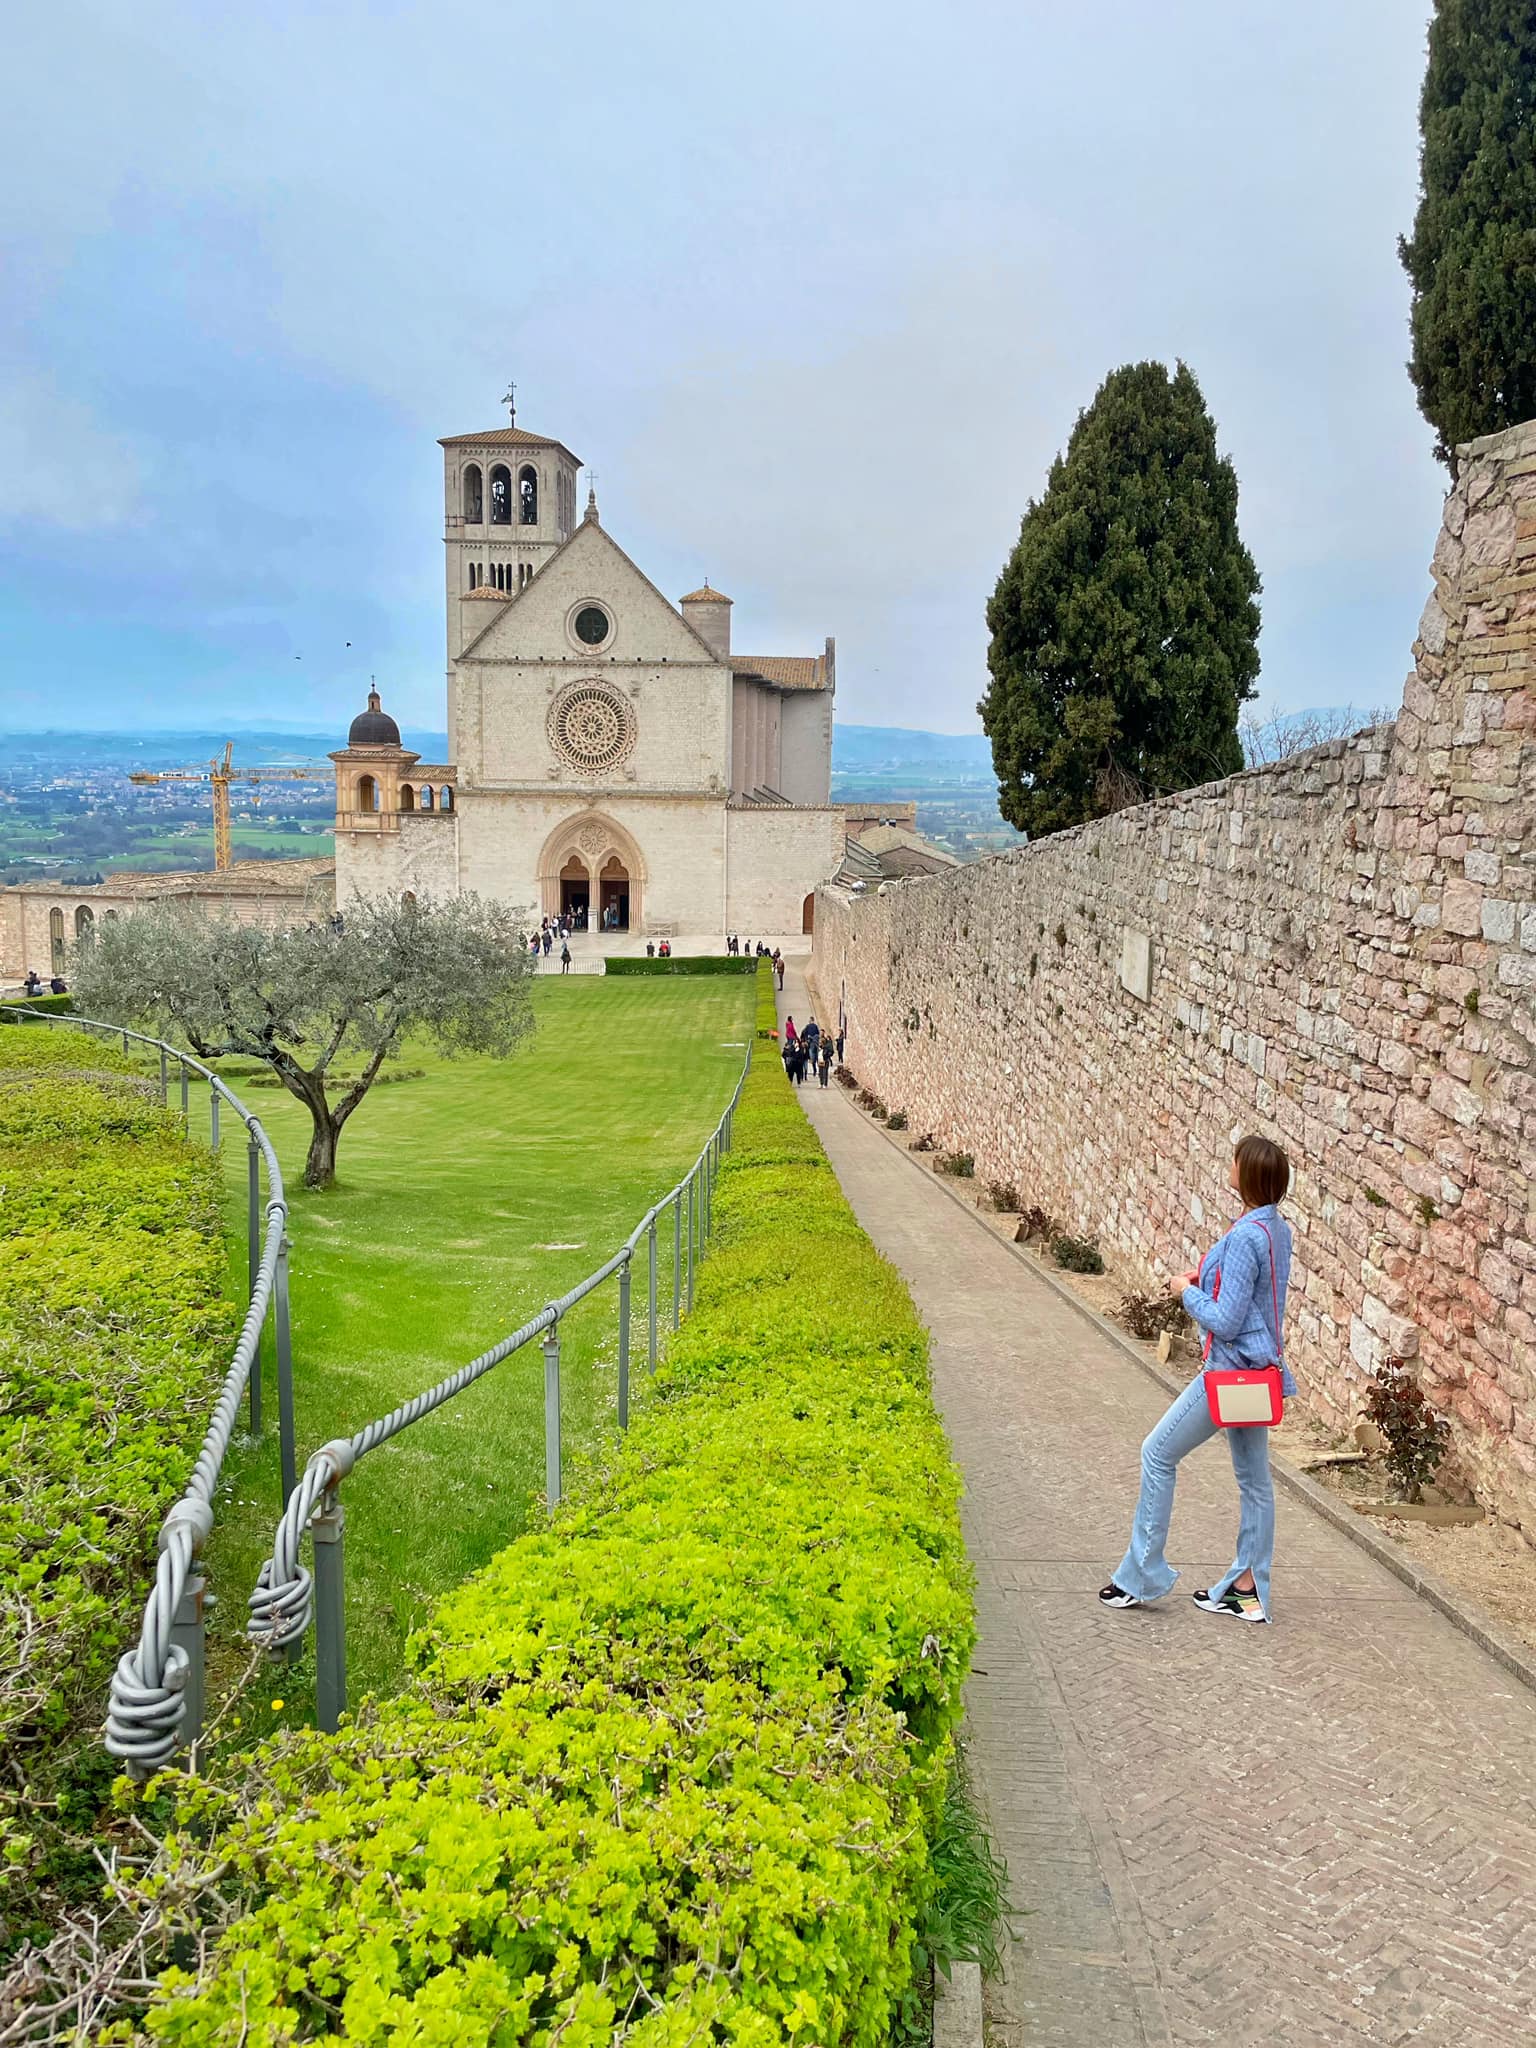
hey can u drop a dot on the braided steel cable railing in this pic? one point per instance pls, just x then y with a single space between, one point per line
288 1597
156 1700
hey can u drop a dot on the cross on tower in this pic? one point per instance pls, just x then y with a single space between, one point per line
509 400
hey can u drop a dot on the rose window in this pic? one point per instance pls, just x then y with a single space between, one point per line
591 728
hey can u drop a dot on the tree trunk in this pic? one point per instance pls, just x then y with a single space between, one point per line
320 1166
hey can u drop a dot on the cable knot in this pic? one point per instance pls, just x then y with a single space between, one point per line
191 1514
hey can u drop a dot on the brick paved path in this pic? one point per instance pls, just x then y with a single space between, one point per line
1318 1833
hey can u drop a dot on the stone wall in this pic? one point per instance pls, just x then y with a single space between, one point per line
1339 950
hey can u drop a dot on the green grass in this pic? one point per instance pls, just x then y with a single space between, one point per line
467 1198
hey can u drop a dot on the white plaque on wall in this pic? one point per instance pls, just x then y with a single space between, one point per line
1136 964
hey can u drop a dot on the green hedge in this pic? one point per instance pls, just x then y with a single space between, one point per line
113 1336
668 1767
680 963
42 1006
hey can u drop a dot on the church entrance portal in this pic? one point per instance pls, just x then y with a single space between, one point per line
614 884
575 893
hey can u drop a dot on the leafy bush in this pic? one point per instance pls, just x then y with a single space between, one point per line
867 1099
670 1765
925 1143
897 1120
1003 1196
1417 1438
959 1165
1036 1222
113 1334
1149 1315
1077 1254
680 963
41 1005
845 1077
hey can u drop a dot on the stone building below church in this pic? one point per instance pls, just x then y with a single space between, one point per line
612 755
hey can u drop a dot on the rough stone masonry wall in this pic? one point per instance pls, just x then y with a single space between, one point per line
1339 950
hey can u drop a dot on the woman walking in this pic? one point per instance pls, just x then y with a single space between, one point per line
1237 1296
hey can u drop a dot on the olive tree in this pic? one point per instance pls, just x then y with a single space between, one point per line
304 998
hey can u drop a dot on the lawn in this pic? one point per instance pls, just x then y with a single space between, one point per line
467 1198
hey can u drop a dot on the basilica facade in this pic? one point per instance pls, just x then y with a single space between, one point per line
612 755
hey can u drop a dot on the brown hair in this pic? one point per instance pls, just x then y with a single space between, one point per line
1263 1171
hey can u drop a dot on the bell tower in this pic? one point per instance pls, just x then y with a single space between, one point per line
509 500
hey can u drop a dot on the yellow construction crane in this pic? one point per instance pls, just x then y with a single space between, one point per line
221 774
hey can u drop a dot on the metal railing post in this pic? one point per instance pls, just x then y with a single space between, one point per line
165 1078
186 1098
213 1118
252 1262
624 1345
188 1634
552 1413
282 1335
330 1614
692 1207
125 1041
650 1296
677 1260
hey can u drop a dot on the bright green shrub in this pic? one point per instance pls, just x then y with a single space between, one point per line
668 1766
113 1335
679 963
42 1005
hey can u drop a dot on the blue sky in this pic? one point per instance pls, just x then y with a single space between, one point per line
818 291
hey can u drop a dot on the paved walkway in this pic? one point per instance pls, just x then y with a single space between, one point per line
1318 1833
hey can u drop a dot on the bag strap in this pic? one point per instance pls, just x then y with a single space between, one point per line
1274 1288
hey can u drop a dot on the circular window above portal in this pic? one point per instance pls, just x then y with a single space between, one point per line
592 625
591 728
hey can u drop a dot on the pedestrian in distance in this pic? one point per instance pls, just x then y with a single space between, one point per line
549 940
812 1037
565 958
839 1045
650 949
824 1064
790 1033
1237 1296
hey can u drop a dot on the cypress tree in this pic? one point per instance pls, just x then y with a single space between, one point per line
1472 256
1125 623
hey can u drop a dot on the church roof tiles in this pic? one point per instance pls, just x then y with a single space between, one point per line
705 596
506 437
489 590
789 671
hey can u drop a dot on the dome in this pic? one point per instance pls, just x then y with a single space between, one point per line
373 727
705 596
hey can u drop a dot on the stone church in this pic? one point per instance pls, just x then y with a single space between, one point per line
612 756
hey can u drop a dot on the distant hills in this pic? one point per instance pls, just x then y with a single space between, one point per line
892 749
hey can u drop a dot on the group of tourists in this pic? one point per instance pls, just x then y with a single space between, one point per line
541 943
810 1051
58 986
661 952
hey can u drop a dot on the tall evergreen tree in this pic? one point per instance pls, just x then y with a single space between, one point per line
1125 622
1472 256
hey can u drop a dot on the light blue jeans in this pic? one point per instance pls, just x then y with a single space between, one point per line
1144 1571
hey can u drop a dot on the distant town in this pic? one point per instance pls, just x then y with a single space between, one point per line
68 811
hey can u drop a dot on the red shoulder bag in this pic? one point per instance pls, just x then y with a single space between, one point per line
1246 1397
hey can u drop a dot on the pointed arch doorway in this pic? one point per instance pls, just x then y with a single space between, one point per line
591 870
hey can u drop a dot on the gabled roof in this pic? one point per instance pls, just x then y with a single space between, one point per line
591 520
506 437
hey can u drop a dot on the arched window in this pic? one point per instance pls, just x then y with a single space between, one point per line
407 797
528 495
426 796
501 575
408 900
111 917
474 575
501 495
367 793
447 798
56 939
474 504
85 917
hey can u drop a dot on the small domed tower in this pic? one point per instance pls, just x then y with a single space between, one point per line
370 771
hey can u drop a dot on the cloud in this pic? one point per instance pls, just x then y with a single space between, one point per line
63 468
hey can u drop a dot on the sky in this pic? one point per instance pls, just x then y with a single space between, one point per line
817 290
